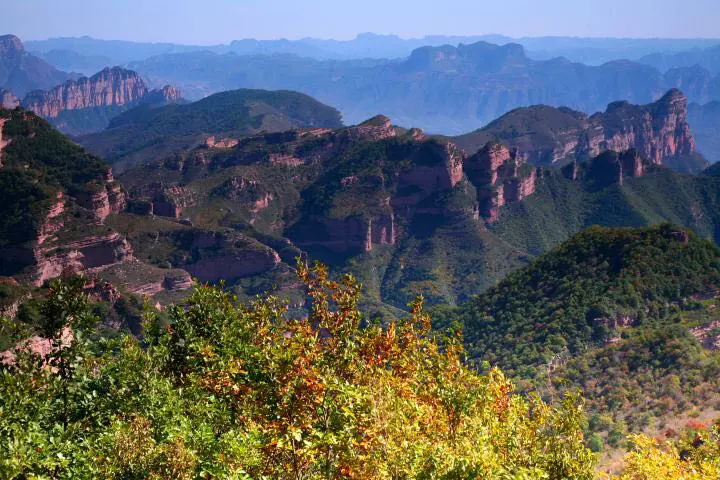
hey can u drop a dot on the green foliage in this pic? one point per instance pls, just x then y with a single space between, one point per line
571 297
653 371
36 146
696 456
228 391
37 163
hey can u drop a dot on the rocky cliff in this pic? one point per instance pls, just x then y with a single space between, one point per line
658 131
547 136
500 177
87 105
3 142
104 199
608 168
163 96
162 199
110 87
229 256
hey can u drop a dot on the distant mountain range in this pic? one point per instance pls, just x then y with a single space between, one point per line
81 54
22 72
707 58
443 89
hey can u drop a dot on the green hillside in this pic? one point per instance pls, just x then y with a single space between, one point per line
622 314
38 162
150 130
565 300
561 208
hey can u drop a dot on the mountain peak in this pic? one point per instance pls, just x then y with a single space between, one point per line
114 72
11 44
673 95
479 57
377 121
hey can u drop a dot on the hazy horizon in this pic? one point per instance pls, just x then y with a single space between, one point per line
358 34
215 22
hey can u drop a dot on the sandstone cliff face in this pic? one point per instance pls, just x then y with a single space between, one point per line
352 234
90 254
3 142
107 199
110 87
438 166
163 96
608 168
51 257
377 128
163 200
214 142
250 193
500 177
659 131
229 256
547 136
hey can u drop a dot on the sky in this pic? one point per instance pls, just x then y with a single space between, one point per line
207 22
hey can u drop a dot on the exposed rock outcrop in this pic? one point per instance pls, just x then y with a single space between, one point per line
377 128
90 254
547 136
351 234
214 142
708 335
105 200
249 193
229 256
39 346
608 168
177 280
163 200
163 96
53 221
3 143
109 87
436 166
500 177
659 131
285 160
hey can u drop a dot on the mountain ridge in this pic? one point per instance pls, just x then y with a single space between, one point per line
548 136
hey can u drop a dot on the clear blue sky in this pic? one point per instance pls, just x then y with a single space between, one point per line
219 21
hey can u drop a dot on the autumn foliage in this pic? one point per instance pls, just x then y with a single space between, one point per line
221 390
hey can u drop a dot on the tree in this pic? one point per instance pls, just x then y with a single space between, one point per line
247 391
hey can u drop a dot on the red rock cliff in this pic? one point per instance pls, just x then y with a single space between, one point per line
110 87
659 131
500 177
